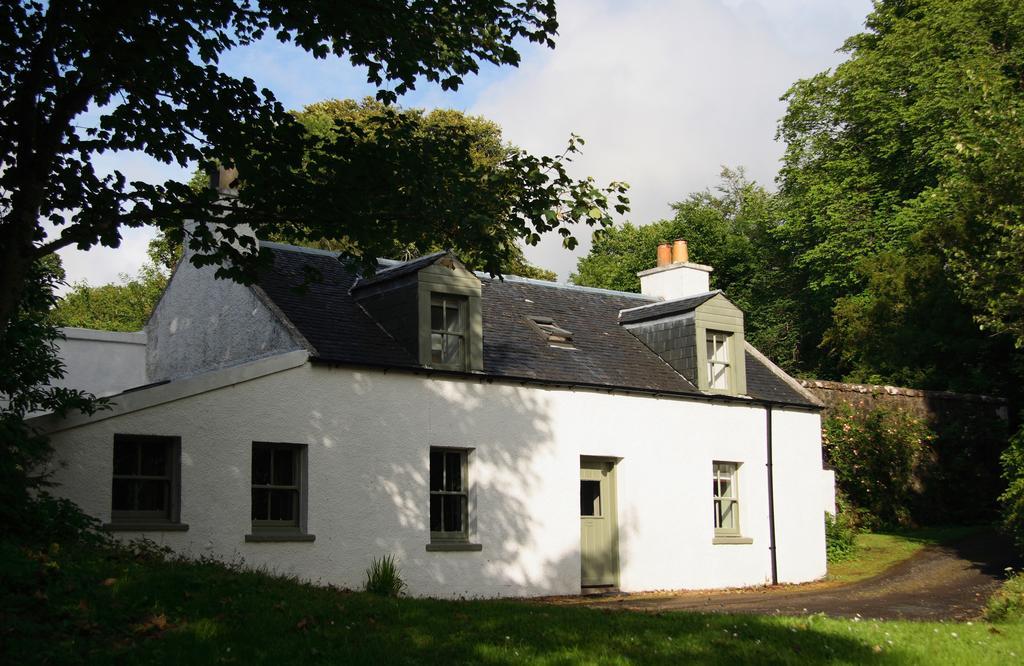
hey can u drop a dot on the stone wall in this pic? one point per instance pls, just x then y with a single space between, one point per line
930 405
959 481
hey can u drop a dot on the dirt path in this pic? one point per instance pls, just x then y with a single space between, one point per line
939 583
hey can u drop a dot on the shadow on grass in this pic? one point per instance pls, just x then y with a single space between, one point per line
178 612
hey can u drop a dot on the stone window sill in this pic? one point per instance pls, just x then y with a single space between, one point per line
279 538
145 527
734 540
455 546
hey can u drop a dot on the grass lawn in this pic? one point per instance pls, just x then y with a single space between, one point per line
88 605
877 551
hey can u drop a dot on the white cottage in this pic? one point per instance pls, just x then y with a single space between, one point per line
499 437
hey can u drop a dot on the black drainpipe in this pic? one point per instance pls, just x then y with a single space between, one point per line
771 500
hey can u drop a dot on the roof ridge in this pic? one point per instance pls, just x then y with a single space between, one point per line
561 285
287 247
703 294
391 264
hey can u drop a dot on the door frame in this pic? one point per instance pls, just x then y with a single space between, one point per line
613 497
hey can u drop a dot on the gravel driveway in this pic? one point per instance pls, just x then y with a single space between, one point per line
938 583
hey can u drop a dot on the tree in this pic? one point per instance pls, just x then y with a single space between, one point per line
903 190
28 365
151 72
486 149
729 228
125 306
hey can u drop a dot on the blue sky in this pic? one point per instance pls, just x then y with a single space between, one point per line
665 92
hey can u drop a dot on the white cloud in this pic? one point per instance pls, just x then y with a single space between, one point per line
100 265
665 93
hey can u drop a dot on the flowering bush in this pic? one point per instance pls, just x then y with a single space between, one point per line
1013 497
875 455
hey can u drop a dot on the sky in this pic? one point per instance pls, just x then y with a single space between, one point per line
665 93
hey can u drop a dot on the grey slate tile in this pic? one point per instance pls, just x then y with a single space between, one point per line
605 354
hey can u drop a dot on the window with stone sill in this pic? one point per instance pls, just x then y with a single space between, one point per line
726 499
145 482
278 492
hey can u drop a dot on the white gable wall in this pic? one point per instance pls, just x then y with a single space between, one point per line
202 323
368 435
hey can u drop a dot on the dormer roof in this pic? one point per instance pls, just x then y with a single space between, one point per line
605 355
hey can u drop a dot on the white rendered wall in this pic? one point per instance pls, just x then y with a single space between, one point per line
368 435
102 362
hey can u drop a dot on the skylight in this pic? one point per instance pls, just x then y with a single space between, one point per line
555 335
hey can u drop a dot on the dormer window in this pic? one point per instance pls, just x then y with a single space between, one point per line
555 335
718 360
448 330
432 307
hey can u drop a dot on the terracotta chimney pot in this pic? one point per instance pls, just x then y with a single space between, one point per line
664 254
680 253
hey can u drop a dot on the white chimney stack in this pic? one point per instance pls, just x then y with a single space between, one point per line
225 182
675 277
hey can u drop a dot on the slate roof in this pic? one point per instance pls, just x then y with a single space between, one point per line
666 308
398 270
764 384
605 354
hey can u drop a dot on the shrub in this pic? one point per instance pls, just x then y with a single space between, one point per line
1007 604
875 455
1013 497
384 578
841 531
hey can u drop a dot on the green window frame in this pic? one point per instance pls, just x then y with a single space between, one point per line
718 357
726 498
278 498
145 481
449 330
449 495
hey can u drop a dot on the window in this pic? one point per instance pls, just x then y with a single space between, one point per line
590 498
727 508
277 489
449 497
718 359
448 330
449 500
555 335
144 491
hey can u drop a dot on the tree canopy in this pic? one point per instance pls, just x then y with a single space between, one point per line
486 151
903 191
151 73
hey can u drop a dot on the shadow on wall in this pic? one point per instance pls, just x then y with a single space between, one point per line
523 498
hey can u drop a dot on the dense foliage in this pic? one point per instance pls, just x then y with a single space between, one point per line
29 363
901 182
1013 497
876 455
486 151
841 531
150 71
123 306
